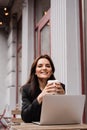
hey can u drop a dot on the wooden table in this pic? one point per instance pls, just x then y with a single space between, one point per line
30 126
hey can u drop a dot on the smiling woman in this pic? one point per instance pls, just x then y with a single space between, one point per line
43 69
37 87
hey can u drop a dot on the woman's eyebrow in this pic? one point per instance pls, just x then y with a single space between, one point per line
39 64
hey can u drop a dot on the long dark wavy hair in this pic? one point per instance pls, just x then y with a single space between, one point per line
33 79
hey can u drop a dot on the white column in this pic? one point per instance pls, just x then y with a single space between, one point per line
11 66
3 70
66 43
27 38
58 35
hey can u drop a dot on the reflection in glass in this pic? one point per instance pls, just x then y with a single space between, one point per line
45 39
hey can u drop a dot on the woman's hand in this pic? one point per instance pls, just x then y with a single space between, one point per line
45 91
54 88
51 88
60 89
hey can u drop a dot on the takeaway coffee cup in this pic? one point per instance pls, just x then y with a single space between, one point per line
53 81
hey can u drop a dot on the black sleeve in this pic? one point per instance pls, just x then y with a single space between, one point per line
63 85
30 110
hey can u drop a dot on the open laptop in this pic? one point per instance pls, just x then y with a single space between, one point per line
62 109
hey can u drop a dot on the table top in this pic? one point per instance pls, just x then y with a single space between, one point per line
31 126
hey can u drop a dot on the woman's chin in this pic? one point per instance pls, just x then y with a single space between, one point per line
43 78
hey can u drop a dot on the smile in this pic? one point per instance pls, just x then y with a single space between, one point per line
45 73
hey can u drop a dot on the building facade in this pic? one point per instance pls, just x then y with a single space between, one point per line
55 27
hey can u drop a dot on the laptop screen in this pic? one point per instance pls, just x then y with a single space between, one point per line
62 109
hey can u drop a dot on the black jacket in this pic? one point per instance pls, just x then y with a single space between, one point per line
31 109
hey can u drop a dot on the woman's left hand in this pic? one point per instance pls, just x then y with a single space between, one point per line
59 89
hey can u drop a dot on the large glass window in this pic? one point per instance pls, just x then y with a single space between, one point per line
42 27
45 39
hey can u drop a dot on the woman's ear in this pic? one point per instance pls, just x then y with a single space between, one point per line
51 72
35 74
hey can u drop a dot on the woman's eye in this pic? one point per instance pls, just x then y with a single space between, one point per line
39 66
48 66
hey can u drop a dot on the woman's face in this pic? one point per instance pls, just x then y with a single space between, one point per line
43 69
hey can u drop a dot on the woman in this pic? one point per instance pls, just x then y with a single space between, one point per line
36 87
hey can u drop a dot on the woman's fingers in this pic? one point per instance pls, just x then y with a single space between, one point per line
54 88
60 89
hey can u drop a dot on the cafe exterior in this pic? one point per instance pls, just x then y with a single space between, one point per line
53 27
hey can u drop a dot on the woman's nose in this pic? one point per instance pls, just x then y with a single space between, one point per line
44 67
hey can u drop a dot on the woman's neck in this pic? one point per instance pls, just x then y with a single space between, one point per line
42 83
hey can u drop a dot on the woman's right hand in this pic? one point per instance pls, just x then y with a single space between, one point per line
49 89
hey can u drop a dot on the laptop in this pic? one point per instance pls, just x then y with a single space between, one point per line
62 109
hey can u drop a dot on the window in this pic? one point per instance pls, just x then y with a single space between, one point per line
42 28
